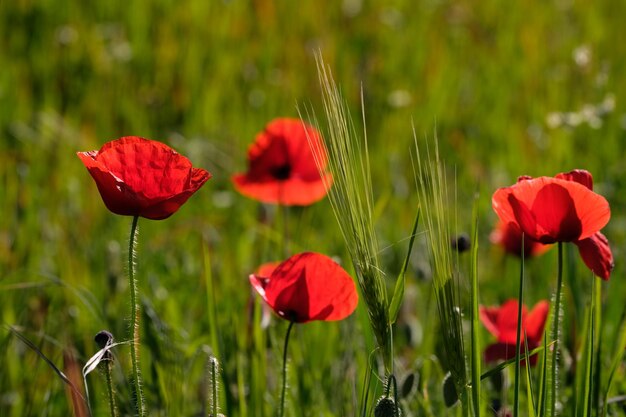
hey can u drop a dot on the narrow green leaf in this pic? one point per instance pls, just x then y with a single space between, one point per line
398 293
34 348
518 342
541 408
617 359
475 329
531 403
499 367
585 390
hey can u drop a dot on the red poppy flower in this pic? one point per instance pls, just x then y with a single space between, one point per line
282 167
142 177
502 323
308 286
509 236
560 209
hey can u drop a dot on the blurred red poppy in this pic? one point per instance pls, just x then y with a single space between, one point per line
308 286
142 177
509 236
560 209
502 323
282 167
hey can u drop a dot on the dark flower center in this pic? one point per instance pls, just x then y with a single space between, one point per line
281 172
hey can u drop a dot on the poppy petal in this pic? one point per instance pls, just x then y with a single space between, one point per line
502 206
507 321
580 176
266 269
597 255
555 212
535 323
499 352
509 236
259 283
290 192
489 318
525 218
504 351
114 193
593 210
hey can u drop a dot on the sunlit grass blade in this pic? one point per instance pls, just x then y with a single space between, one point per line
543 381
475 318
366 390
210 299
531 403
620 342
398 293
589 353
599 326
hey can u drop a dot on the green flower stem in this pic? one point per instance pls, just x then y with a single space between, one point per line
134 322
555 330
281 410
110 390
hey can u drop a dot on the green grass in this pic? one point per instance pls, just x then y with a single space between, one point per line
205 77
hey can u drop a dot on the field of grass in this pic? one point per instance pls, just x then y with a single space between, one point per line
508 89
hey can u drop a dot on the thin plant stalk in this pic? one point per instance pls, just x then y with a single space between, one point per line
518 343
555 331
110 390
134 321
281 410
475 326
620 342
213 365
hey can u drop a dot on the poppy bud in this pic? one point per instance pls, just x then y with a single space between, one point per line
103 338
386 407
450 396
461 243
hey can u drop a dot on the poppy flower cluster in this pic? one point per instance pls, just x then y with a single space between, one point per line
502 323
560 209
282 167
142 177
307 286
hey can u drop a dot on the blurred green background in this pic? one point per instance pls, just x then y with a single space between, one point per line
508 88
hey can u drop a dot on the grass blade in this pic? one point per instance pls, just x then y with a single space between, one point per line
34 348
518 341
398 293
475 325
499 367
617 359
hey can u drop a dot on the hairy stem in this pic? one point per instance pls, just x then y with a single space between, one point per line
110 390
555 330
134 322
281 410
